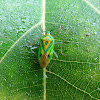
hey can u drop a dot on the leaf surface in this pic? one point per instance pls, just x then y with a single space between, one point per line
74 24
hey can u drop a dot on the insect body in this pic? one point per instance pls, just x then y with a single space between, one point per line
45 51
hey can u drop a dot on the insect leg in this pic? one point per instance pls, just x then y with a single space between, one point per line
61 50
61 47
55 54
33 49
40 31
49 70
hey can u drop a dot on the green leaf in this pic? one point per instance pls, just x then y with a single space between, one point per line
74 24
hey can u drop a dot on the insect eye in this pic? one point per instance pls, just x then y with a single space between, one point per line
40 54
48 55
